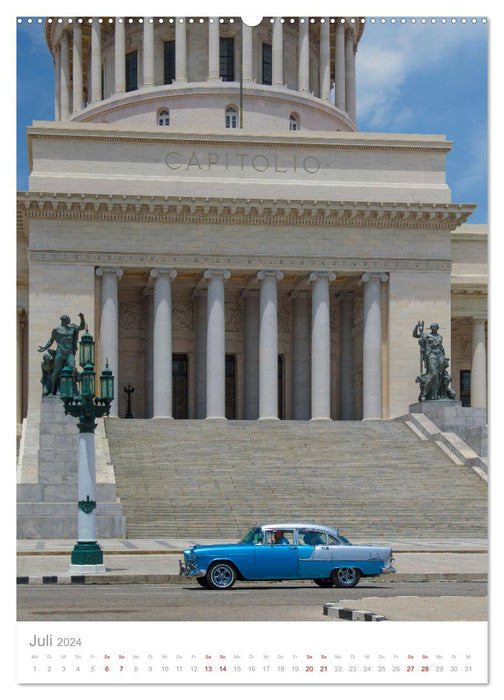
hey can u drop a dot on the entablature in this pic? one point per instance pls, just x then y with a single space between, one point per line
211 210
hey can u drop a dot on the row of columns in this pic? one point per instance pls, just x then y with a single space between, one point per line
261 370
344 59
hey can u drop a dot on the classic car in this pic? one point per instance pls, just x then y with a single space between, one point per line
286 551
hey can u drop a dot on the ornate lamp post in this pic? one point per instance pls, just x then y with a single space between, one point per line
87 555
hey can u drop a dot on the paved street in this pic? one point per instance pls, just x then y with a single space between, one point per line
251 601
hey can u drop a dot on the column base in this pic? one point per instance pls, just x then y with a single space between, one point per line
271 418
79 569
216 418
87 558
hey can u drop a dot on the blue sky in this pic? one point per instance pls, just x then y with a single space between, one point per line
411 78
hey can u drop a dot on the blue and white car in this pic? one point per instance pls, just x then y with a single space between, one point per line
286 551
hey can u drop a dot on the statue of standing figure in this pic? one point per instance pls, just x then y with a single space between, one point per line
434 377
66 337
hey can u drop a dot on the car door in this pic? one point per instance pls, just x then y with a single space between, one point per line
276 561
315 558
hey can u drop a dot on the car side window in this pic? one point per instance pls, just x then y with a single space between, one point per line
312 537
279 537
333 540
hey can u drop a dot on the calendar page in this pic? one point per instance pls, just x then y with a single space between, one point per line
253 450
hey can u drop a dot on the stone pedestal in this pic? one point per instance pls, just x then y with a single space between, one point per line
47 508
451 417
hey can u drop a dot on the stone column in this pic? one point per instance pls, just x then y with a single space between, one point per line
180 50
109 326
339 60
120 56
57 83
350 99
321 346
20 365
303 55
149 351
247 52
372 346
478 366
301 406
200 320
268 344
77 67
96 62
277 52
251 369
347 358
213 49
162 342
216 344
325 59
65 77
148 51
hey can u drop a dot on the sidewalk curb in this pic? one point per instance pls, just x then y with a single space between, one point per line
332 610
104 579
149 552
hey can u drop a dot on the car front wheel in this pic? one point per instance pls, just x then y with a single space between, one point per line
346 577
323 582
202 581
221 575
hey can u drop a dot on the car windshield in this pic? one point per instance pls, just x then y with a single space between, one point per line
254 536
343 539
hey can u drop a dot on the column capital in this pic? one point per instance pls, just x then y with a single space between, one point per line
382 276
262 274
158 271
211 272
100 271
314 276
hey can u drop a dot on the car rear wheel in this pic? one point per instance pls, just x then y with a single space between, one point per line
346 577
323 582
221 575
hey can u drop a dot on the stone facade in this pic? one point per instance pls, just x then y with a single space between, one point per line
289 266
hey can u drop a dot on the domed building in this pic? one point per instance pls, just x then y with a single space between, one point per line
239 249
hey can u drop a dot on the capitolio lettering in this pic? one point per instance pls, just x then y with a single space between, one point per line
208 161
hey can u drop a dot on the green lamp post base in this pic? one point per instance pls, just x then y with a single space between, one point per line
87 558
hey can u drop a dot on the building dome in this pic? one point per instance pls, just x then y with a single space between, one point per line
206 73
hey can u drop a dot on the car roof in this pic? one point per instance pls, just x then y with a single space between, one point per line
296 525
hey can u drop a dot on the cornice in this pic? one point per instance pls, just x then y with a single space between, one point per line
279 212
337 141
238 262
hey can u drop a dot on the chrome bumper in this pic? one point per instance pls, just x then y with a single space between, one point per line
389 569
189 569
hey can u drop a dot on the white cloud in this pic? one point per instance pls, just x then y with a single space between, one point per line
389 54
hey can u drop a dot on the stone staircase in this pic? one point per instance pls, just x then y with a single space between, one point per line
205 479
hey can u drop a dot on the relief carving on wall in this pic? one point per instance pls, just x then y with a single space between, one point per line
284 319
182 316
234 316
131 316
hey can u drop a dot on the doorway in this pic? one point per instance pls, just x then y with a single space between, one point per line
180 404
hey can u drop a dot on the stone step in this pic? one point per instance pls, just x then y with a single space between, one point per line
218 478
